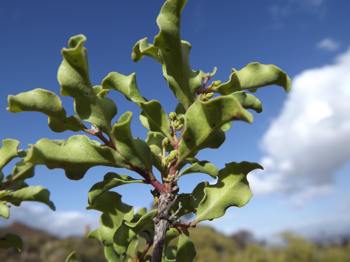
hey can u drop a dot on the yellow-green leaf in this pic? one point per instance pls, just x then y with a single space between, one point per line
90 103
231 189
186 251
48 103
8 151
203 122
75 155
124 84
252 76
134 151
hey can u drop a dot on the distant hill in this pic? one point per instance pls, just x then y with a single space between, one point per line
42 246
211 246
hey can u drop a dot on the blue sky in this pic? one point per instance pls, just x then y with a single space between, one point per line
300 137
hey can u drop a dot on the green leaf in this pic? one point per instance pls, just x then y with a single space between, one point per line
75 155
252 76
203 121
11 240
29 193
129 232
154 141
134 151
231 189
39 100
133 248
185 249
122 238
145 221
169 254
143 48
154 118
21 171
59 125
114 212
205 167
48 103
4 210
124 84
110 180
173 53
110 255
249 101
171 234
8 151
72 257
90 102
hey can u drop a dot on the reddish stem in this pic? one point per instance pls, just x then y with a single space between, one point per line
149 178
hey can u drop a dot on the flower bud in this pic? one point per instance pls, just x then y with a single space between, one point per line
172 116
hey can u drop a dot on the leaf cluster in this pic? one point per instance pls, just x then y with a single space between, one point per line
205 112
13 187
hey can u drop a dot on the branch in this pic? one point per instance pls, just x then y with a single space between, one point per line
149 177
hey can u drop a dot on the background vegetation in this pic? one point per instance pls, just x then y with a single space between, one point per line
210 244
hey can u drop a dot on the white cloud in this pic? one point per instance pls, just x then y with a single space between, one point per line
310 139
61 223
328 44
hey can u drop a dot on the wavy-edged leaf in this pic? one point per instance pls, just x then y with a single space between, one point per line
186 251
134 151
128 235
205 167
154 141
11 241
48 103
248 101
154 118
231 189
252 76
4 210
203 121
110 180
143 48
124 84
8 151
172 53
143 222
21 171
114 212
39 100
90 103
75 155
59 125
29 193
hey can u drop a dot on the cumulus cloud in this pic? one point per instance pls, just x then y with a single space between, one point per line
310 139
328 44
60 223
